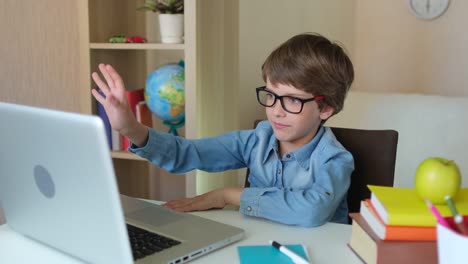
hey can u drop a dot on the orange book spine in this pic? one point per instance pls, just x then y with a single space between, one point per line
143 114
394 232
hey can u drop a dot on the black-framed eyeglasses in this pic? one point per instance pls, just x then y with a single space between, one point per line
290 104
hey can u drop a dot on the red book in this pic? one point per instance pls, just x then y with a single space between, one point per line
133 97
394 232
373 250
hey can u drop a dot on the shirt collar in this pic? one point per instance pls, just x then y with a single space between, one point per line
272 148
302 155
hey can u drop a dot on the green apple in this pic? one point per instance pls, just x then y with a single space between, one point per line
437 177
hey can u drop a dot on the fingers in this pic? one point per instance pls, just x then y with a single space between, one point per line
181 205
102 85
117 79
113 84
98 96
105 73
202 202
113 79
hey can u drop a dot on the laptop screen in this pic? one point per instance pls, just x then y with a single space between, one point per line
58 185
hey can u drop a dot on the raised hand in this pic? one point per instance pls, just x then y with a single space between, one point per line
116 105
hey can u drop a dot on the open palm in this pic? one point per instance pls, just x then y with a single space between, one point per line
114 100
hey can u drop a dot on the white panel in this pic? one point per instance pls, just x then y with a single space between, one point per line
427 126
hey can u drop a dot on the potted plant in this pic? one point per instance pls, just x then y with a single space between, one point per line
171 18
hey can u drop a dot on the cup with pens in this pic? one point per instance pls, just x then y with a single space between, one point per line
452 234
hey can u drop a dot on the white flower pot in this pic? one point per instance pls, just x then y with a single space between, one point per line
171 27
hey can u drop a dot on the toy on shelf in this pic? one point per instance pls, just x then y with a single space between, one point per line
122 39
117 39
135 39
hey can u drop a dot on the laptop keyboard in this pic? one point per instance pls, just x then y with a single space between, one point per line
145 243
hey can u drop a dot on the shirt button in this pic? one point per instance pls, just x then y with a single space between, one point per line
288 156
279 171
249 209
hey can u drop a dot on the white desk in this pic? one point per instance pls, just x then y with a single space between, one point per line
325 244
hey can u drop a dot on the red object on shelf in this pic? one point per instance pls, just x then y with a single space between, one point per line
135 39
133 97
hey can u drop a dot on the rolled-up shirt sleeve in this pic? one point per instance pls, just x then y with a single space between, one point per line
180 155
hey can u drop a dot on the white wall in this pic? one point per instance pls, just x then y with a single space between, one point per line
392 50
265 24
396 52
427 125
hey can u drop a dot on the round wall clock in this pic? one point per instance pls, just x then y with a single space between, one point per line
428 9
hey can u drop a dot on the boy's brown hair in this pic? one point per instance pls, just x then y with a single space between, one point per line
314 64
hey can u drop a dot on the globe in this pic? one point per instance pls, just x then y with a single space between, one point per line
165 95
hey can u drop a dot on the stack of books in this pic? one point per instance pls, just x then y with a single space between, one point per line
395 226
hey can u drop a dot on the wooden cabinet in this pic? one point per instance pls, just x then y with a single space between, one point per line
102 19
42 55
52 48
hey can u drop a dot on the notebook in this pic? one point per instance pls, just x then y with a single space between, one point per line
268 254
58 187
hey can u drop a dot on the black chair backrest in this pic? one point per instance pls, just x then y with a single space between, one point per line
374 153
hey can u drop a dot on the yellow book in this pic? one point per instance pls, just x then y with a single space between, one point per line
404 207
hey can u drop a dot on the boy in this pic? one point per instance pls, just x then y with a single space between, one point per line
299 172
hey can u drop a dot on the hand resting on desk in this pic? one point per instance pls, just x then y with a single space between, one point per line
218 198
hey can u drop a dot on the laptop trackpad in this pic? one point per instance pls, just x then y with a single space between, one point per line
153 216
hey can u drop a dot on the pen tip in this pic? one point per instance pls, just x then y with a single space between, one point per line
428 203
275 244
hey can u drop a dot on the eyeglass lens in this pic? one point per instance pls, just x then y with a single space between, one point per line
290 104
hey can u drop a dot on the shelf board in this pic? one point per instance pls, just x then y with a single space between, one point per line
125 155
136 46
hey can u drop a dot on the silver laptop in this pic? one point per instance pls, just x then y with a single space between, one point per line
57 186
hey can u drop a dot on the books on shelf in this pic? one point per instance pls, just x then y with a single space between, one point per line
102 114
394 232
143 114
373 250
117 144
403 206
133 98
139 108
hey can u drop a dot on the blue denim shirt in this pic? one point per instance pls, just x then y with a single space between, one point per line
306 187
